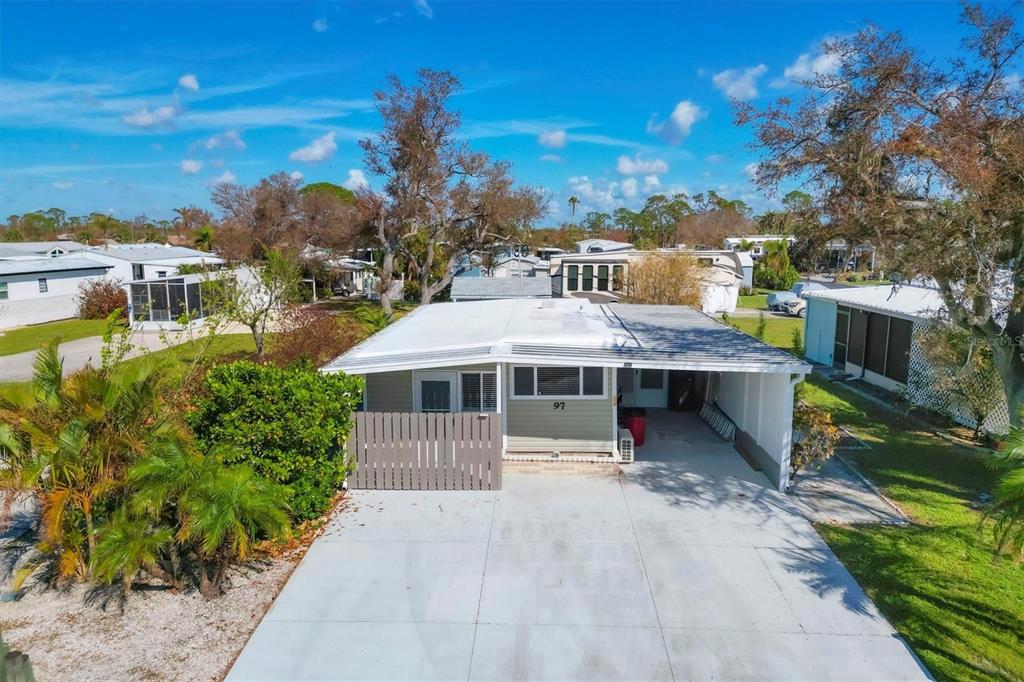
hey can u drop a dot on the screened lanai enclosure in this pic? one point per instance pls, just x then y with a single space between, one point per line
166 302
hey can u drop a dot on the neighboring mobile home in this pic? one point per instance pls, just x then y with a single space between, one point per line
872 333
41 289
557 371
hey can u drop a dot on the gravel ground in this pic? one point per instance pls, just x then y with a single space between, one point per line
160 635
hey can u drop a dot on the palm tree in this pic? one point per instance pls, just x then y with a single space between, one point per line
204 238
573 202
69 441
220 513
1008 496
776 255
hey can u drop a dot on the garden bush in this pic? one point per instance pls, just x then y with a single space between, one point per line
99 297
312 334
288 423
815 438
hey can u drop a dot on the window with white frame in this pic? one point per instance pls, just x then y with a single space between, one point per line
558 382
479 392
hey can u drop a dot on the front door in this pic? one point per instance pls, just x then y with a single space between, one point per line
651 388
435 391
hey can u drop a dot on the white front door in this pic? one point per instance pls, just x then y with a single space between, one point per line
651 388
435 392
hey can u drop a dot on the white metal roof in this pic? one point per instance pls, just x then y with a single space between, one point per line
28 266
560 332
919 303
141 253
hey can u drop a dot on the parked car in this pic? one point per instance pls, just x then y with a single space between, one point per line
795 308
777 300
800 287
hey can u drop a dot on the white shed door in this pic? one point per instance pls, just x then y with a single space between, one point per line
651 388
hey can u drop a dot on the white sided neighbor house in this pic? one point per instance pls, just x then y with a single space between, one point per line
550 376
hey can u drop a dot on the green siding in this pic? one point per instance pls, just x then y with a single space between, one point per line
583 426
392 391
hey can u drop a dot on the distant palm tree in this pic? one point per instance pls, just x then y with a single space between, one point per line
204 238
573 202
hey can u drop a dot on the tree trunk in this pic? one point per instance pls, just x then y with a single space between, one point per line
426 293
387 275
209 588
90 536
257 338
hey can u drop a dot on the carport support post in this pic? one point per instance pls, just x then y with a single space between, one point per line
499 372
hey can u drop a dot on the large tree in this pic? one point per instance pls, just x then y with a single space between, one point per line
440 201
926 162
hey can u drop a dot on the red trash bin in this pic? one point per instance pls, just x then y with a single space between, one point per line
637 425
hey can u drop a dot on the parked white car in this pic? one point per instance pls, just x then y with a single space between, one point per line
776 301
795 308
800 287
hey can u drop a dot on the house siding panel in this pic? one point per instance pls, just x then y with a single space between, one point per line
761 406
392 391
583 426
820 331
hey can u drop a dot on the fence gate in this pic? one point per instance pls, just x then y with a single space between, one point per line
425 451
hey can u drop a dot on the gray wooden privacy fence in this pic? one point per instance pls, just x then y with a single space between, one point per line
425 451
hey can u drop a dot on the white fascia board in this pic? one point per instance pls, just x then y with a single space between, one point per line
368 366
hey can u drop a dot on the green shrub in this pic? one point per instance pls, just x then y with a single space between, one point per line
288 423
779 280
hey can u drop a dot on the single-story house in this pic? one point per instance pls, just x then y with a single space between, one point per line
756 242
506 265
603 276
37 289
149 261
556 372
872 333
490 288
601 246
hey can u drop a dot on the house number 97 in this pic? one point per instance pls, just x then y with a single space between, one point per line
558 405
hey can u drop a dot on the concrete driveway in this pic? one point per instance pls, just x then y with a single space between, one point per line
686 567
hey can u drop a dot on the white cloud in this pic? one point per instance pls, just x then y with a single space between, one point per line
552 158
356 179
678 126
638 166
190 166
160 117
225 178
751 170
651 183
297 176
739 83
189 82
552 138
807 66
424 8
630 188
320 149
320 25
230 139
591 195
63 185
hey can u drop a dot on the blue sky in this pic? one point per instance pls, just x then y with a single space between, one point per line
140 108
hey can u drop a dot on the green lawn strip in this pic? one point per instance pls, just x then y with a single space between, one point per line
868 283
36 336
758 299
778 330
180 357
937 581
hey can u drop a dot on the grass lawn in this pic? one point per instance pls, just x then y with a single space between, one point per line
778 330
937 581
869 283
35 336
757 300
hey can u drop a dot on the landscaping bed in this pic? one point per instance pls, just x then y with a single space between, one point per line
160 636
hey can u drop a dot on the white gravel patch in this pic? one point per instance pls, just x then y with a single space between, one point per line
160 636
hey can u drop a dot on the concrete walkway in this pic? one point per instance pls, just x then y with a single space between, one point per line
689 566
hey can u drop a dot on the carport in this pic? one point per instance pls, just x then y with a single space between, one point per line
692 364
